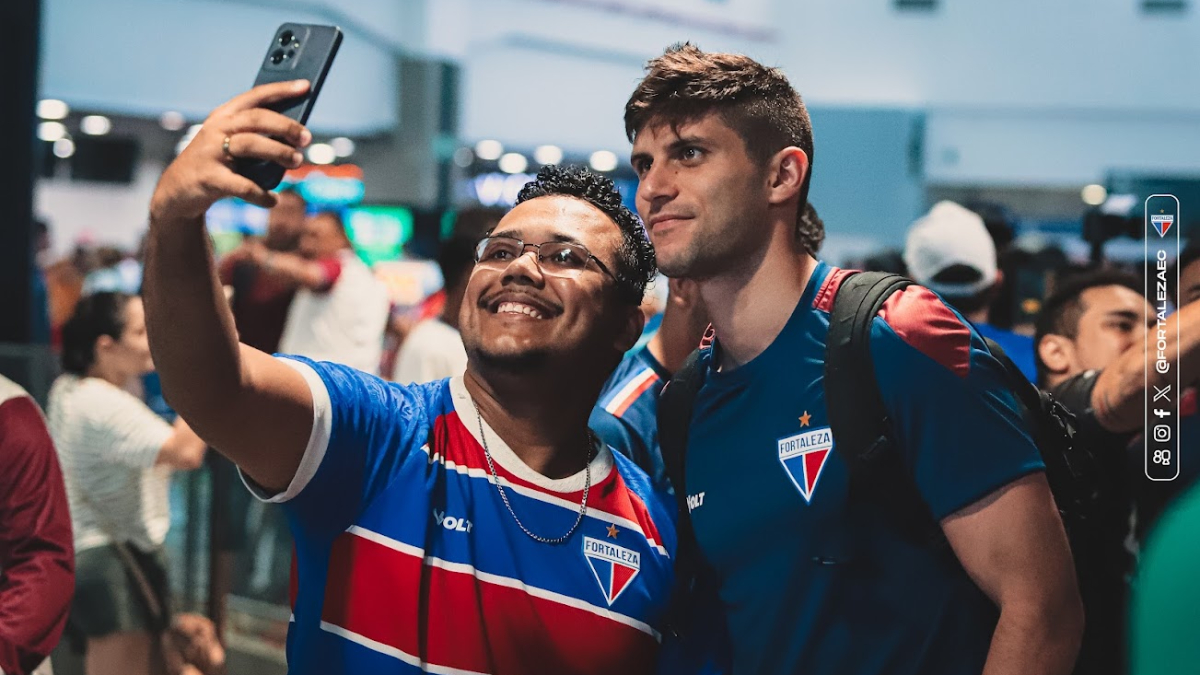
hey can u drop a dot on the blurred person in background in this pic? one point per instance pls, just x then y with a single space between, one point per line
951 252
117 458
1093 348
433 349
118 272
340 309
260 301
37 558
39 306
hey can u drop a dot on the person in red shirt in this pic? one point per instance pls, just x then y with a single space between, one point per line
37 556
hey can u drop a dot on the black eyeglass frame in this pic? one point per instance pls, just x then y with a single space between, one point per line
483 243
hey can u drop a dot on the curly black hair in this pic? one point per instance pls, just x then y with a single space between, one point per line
636 265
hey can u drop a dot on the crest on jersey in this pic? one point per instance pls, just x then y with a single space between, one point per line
803 456
1162 223
614 566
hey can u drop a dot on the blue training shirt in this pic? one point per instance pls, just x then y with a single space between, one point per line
631 395
805 589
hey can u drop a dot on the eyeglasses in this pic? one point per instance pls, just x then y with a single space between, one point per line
557 258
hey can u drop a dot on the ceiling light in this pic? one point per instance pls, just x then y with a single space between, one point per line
603 160
548 154
172 120
51 131
52 109
489 150
95 125
342 146
64 148
513 162
1094 195
321 153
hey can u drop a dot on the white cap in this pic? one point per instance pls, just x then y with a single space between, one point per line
950 235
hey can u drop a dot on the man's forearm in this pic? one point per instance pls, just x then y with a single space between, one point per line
1034 641
1118 398
293 270
191 329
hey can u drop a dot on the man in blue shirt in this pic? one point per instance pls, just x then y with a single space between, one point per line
723 149
950 251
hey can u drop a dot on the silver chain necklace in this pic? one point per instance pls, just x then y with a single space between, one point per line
504 496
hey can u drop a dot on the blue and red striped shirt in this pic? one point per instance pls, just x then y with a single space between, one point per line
408 560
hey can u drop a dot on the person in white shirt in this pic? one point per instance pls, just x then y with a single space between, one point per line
434 349
117 457
341 309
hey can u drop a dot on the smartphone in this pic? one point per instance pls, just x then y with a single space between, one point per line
297 52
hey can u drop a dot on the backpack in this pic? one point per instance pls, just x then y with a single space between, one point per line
863 437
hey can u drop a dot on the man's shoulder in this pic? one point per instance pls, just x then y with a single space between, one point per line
918 318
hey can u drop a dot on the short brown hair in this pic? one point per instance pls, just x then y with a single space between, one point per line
757 102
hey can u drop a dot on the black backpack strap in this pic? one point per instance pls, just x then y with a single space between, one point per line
879 479
676 404
1070 469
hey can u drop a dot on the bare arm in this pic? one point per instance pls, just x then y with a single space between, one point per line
184 450
1013 546
1120 391
252 408
291 269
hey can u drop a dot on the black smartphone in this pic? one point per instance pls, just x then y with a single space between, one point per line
297 52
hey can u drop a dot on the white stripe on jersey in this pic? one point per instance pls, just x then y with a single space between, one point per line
393 652
631 386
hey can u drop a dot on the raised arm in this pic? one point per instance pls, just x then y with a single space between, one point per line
295 270
252 408
1119 395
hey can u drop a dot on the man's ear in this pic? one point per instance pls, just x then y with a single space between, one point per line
1057 352
631 331
787 171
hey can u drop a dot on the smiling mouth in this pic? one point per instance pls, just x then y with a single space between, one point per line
518 308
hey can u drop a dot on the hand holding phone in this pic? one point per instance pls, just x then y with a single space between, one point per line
246 144
297 52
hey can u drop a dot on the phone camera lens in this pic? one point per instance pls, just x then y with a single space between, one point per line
278 56
286 37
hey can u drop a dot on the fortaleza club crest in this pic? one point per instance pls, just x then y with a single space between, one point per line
614 566
1162 223
803 456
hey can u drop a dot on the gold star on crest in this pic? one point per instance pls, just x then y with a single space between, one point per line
804 419
612 531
